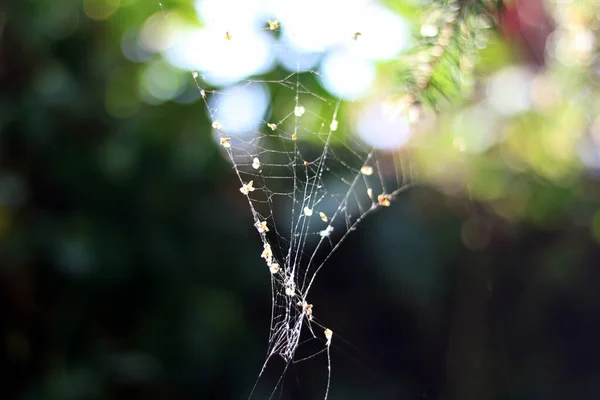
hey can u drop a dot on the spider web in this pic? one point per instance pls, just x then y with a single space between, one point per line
309 181
308 187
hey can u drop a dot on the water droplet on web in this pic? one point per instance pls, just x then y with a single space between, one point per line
262 226
384 200
328 335
247 188
334 125
267 254
274 268
326 232
225 142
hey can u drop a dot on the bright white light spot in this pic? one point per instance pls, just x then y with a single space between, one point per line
223 62
509 91
584 41
383 34
310 30
299 111
379 129
240 109
229 15
347 76
572 46
319 25
316 25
